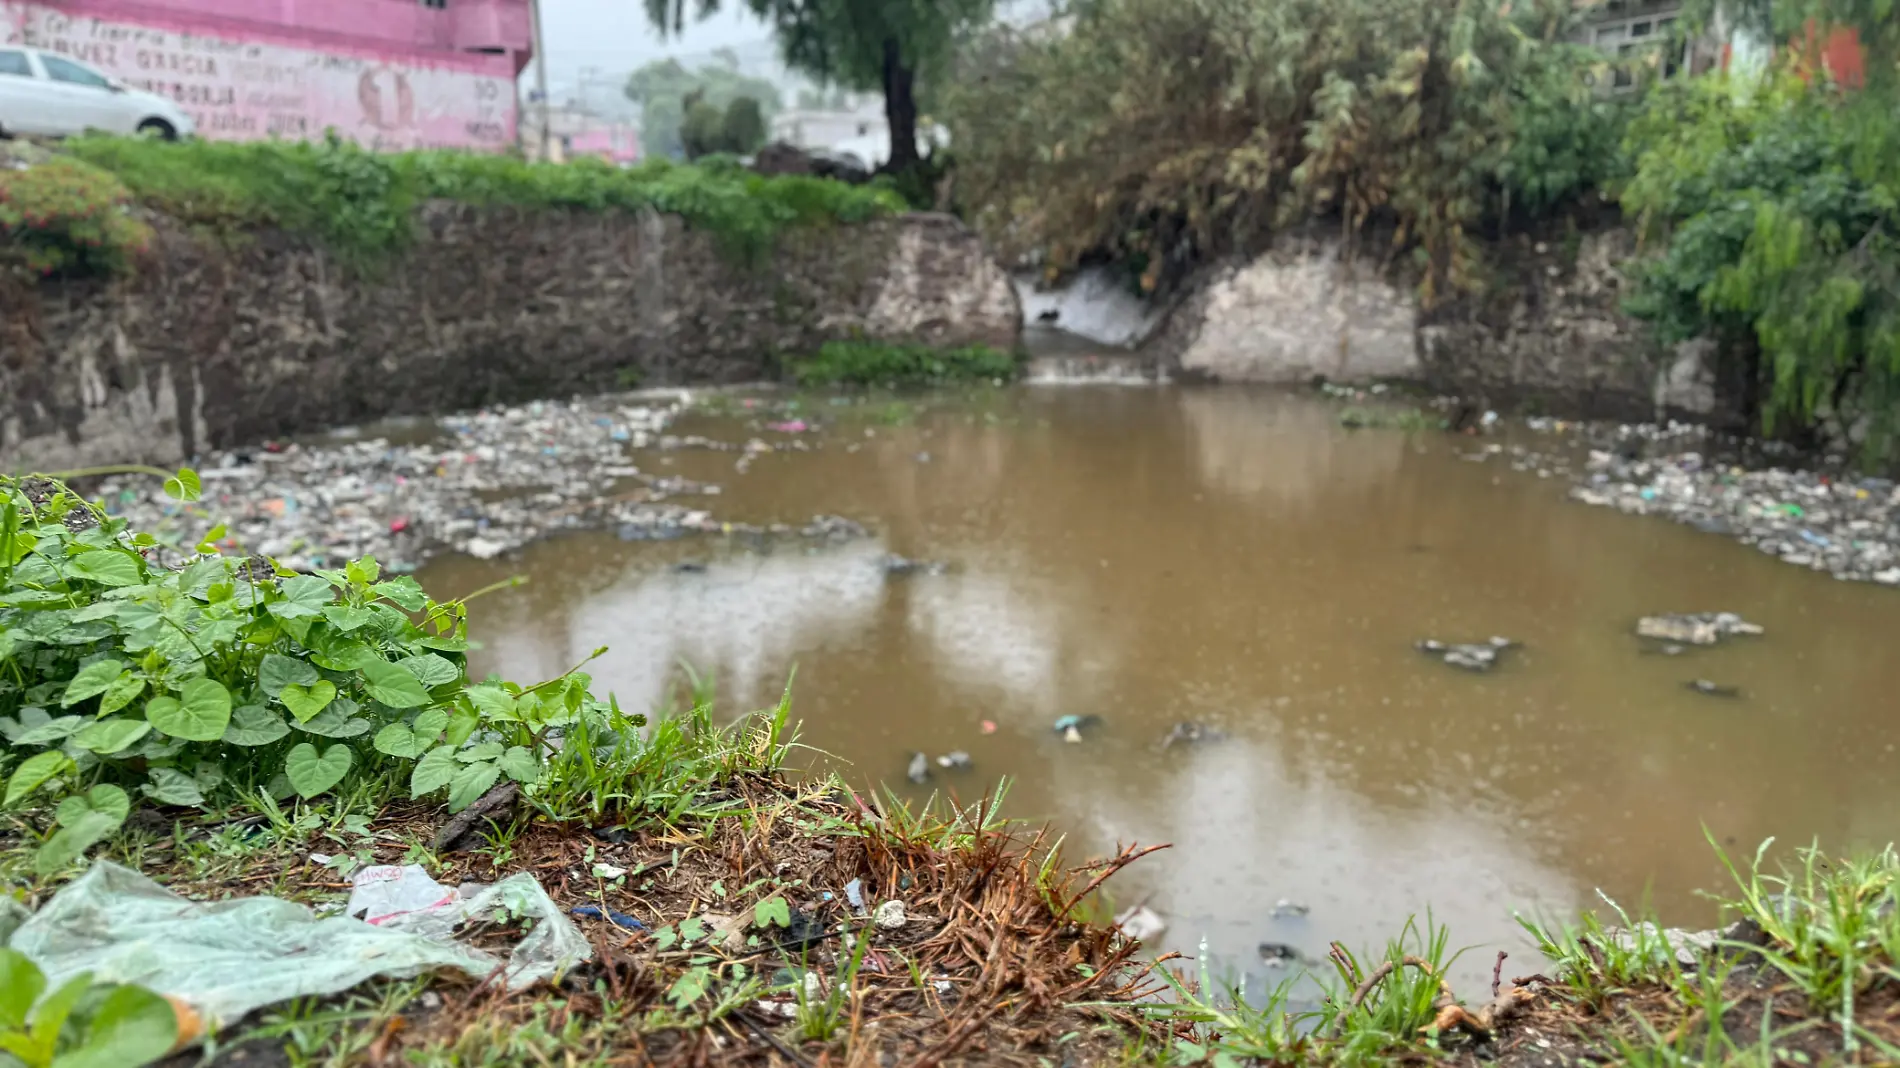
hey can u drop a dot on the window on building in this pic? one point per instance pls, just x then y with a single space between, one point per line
437 4
1641 29
65 70
14 62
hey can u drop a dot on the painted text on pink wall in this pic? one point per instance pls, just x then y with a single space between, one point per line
243 89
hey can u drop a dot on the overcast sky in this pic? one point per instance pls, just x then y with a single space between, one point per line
614 37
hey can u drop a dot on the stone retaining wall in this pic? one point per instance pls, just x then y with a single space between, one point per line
207 347
1547 333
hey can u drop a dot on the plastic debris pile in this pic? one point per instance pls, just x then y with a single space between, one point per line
1846 527
486 483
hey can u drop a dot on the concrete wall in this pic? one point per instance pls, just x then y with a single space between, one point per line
214 348
1293 313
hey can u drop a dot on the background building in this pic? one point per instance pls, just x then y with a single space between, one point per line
390 74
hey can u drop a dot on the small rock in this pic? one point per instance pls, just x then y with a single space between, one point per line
957 760
1710 689
1285 907
890 915
919 770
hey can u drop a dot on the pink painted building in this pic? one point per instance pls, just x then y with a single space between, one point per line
387 73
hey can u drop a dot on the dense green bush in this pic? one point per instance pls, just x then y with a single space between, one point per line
1772 207
870 363
63 216
1165 132
224 678
361 203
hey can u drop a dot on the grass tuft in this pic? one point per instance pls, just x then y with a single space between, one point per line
361 204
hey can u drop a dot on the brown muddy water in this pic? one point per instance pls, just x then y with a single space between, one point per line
1154 555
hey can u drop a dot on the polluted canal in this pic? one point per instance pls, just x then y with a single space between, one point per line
1238 561
1351 672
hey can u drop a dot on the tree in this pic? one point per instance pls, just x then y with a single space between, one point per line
738 128
743 126
884 45
1772 205
661 88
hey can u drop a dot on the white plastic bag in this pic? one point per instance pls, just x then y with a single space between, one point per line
227 958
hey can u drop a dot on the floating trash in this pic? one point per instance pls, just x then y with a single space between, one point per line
1477 656
1701 628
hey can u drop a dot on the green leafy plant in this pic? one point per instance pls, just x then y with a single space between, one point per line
868 363
64 216
1771 201
81 1024
1165 133
227 679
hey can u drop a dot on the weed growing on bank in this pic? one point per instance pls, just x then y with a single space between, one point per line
225 679
873 363
361 204
61 215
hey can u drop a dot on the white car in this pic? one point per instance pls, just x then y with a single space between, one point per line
52 95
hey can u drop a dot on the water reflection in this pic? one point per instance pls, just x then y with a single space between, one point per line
1235 558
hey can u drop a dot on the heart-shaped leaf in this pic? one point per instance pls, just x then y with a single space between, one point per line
172 787
34 772
337 721
431 723
399 740
130 1025
471 781
395 686
107 567
311 774
305 702
200 713
21 984
433 771
50 732
124 690
431 670
184 486
255 725
345 618
110 735
84 819
492 701
92 680
278 671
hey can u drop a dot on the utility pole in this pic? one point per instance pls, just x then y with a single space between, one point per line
541 83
